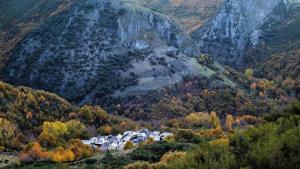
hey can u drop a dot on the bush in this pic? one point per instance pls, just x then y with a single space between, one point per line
128 145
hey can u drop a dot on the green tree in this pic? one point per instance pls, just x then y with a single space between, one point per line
249 73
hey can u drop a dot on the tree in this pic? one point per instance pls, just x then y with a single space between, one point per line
47 139
249 73
34 151
198 119
56 129
79 149
228 122
7 132
105 130
214 120
76 129
61 155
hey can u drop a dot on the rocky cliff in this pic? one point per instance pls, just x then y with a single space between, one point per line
237 26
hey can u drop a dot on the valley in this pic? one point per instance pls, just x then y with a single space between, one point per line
137 84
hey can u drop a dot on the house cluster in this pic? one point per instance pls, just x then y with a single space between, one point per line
118 142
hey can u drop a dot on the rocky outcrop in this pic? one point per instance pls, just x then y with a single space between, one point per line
141 27
235 27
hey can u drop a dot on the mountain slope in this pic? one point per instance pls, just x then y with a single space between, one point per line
76 53
20 17
238 26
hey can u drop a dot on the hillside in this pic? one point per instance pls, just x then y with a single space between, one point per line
76 53
23 112
20 17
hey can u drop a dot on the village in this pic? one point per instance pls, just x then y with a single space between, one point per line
118 142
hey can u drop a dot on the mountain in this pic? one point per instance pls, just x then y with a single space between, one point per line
77 52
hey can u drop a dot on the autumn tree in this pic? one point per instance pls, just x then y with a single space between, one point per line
214 120
105 130
47 139
56 129
76 129
62 155
228 122
7 132
198 119
79 149
34 151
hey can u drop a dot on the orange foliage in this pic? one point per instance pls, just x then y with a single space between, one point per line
35 152
29 115
212 132
62 155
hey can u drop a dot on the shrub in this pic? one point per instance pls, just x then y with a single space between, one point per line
128 145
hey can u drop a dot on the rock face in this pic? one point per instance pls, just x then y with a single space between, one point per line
235 27
98 47
141 27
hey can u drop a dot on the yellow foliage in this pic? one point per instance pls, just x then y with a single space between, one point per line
55 128
221 141
198 119
171 156
249 73
7 132
47 139
129 145
170 139
212 132
228 122
214 120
